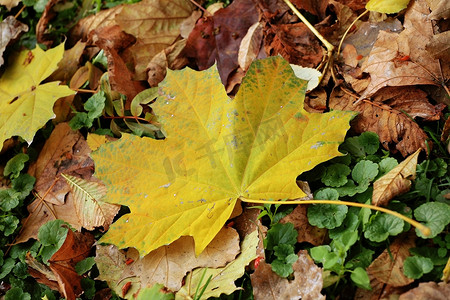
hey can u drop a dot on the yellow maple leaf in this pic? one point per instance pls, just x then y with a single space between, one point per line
217 150
25 104
387 6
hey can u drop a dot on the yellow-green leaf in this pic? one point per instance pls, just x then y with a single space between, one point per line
387 6
25 104
217 150
222 279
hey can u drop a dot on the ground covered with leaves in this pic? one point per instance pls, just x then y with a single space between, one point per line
258 149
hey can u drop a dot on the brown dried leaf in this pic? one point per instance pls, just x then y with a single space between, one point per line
380 291
439 46
306 232
411 100
440 9
167 264
429 291
61 273
388 267
384 65
315 7
188 24
295 42
306 285
41 28
10 3
445 131
155 24
394 128
66 151
171 57
350 56
103 18
218 38
247 223
340 17
10 30
69 63
395 182
112 40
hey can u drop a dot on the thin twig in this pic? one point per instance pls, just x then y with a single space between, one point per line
348 29
20 11
327 44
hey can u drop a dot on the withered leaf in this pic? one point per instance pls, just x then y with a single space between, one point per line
385 67
306 285
61 274
167 264
388 267
10 30
395 182
66 151
396 130
218 38
428 290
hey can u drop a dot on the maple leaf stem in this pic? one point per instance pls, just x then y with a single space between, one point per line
424 229
348 29
327 44
84 91
20 11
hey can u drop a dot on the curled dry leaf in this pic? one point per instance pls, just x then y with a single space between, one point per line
445 131
41 28
250 46
167 264
10 30
113 40
170 58
388 267
394 128
306 285
247 223
385 63
219 37
61 274
337 17
395 182
428 290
